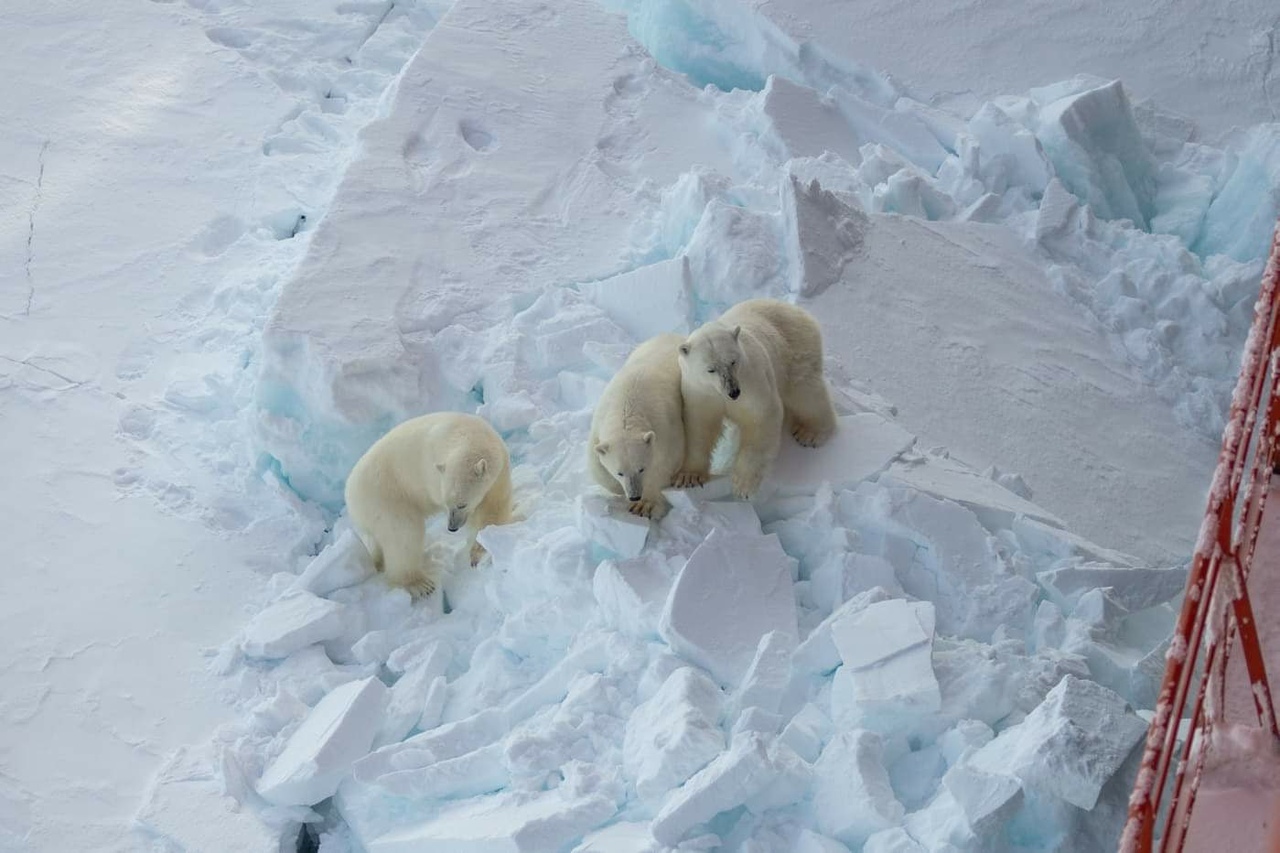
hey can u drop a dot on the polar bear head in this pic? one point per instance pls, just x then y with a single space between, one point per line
465 478
711 355
626 457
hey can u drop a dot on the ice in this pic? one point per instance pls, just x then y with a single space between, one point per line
807 124
1069 746
852 797
344 563
734 777
882 630
621 837
895 840
946 479
608 524
673 734
408 700
648 301
1240 220
842 576
503 823
769 674
863 446
818 653
631 593
733 590
319 754
987 799
807 732
833 232
808 841
1131 588
715 489
295 621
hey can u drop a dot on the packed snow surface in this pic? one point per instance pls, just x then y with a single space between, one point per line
371 212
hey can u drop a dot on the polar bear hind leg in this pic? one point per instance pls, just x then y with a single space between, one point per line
400 537
811 419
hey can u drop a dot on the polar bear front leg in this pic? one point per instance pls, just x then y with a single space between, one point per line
404 561
759 435
494 509
703 423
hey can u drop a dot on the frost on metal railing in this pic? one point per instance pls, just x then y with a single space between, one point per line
1216 611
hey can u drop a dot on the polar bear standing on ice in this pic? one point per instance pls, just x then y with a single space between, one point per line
760 366
637 439
443 462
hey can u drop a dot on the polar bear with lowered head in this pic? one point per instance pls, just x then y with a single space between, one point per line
637 431
443 462
760 366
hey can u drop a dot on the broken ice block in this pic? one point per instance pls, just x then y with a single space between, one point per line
649 300
344 563
292 623
611 526
769 674
716 489
887 649
631 592
319 754
734 777
852 797
1132 588
733 590
947 479
882 630
818 653
1069 746
674 734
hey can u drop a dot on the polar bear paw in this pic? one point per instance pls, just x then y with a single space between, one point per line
648 509
421 587
690 479
807 436
745 484
477 554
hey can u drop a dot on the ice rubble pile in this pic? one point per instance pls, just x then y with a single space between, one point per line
887 651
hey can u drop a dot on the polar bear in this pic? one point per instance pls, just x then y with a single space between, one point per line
760 366
637 432
443 462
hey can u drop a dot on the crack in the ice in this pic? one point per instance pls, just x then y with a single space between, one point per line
71 383
1268 63
351 57
31 231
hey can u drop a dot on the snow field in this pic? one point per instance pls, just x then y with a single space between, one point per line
888 649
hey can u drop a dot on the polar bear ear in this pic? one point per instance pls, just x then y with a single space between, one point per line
648 437
440 467
736 330
602 448
480 467
684 349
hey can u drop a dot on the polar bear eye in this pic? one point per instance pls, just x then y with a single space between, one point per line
711 370
641 471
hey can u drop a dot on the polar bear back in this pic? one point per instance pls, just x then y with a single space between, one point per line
790 335
645 393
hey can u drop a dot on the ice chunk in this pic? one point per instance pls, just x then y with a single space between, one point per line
408 696
822 232
808 841
733 590
733 254
882 630
417 767
1131 588
338 731
649 300
818 653
292 623
1098 151
963 738
901 131
893 840
674 734
344 563
622 837
842 576
914 775
503 823
944 478
852 797
1242 217
808 124
987 799
608 524
1051 543
734 777
1010 153
863 445
631 593
807 732
891 690
757 720
769 674
1069 745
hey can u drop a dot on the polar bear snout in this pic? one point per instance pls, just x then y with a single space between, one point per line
457 518
732 389
631 484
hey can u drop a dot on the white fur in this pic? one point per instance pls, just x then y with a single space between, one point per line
771 352
444 462
637 439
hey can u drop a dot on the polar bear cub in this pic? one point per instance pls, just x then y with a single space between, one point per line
760 366
444 462
637 439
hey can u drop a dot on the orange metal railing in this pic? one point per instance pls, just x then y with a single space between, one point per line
1216 611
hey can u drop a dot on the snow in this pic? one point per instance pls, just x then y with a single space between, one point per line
319 754
245 255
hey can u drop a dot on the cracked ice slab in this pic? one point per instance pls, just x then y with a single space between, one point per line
319 754
734 589
863 446
1069 746
949 480
292 623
